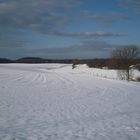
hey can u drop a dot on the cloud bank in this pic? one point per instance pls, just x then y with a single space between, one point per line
47 16
86 49
132 5
87 34
36 15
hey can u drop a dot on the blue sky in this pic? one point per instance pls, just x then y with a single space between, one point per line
67 28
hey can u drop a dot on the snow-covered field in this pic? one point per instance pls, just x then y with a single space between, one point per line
55 102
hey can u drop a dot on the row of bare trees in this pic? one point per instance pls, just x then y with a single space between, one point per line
121 58
124 57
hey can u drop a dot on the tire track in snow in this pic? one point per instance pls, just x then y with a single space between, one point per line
68 81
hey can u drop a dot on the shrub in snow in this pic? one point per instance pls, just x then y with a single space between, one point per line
73 66
123 74
138 79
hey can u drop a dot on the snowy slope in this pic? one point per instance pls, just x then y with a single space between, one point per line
55 102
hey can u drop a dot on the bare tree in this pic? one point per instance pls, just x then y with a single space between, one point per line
123 57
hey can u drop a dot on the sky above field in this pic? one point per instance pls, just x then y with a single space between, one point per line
67 28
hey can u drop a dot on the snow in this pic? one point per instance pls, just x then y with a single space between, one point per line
56 102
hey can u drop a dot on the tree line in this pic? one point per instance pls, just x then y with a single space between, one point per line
120 58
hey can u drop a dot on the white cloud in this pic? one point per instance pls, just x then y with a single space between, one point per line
86 34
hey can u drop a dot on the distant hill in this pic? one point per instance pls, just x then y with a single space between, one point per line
5 60
98 63
31 60
42 60
35 60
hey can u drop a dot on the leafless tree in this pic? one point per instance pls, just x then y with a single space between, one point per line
123 57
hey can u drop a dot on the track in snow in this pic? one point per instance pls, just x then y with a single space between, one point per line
54 102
